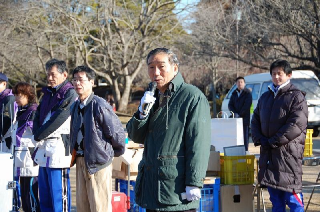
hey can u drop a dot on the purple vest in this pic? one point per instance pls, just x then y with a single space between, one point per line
25 118
50 100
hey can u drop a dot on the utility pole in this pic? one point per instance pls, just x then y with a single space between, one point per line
237 16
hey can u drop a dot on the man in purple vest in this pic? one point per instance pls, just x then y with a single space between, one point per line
7 108
51 128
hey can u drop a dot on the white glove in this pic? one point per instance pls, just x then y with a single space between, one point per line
193 193
147 98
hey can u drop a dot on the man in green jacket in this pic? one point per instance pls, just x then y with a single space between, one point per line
173 123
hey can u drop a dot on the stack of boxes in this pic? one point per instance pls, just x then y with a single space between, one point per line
236 176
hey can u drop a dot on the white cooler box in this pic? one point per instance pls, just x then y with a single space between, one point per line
6 176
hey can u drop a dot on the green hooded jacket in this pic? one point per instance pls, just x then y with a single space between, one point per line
176 137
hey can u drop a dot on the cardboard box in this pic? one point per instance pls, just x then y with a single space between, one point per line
236 198
132 145
120 168
214 162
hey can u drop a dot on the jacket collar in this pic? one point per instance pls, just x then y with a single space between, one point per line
86 101
277 89
175 83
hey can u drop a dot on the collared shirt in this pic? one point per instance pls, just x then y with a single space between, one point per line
275 89
79 146
239 92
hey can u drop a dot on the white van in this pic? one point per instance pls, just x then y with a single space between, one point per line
306 81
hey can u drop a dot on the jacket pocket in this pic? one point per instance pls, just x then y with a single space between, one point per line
54 147
139 180
23 157
170 186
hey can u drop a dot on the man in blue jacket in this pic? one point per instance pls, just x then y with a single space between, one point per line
51 128
97 136
240 103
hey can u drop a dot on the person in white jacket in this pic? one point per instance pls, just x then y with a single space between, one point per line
51 130
24 169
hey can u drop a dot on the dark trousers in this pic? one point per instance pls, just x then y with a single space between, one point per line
29 194
192 210
246 136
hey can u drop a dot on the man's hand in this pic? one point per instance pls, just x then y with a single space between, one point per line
193 193
147 98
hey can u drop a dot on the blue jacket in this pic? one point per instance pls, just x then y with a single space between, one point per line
104 136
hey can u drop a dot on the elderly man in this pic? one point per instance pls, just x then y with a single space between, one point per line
173 123
51 128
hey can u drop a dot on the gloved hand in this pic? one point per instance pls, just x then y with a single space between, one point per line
193 193
264 141
147 98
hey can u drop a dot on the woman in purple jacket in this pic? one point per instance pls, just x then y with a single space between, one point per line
24 167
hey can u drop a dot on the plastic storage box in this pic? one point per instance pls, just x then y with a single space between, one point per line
119 202
237 170
209 201
308 144
122 186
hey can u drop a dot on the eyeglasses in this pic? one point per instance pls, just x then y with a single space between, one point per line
74 80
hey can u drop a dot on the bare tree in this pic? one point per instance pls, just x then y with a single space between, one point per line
268 30
113 37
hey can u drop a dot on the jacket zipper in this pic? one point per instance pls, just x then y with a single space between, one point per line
160 157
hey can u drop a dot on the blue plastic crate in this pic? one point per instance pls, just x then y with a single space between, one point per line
209 201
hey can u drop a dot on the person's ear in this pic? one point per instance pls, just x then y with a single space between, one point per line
65 75
175 69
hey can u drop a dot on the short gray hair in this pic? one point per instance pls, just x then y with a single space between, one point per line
171 56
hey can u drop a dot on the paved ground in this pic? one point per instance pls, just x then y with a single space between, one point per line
309 177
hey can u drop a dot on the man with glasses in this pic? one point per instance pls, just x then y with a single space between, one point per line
96 137
51 128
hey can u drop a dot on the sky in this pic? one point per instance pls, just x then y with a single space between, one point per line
184 15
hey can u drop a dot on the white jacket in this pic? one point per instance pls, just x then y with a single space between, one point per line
23 163
51 151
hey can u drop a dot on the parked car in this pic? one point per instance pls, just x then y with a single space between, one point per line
306 81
